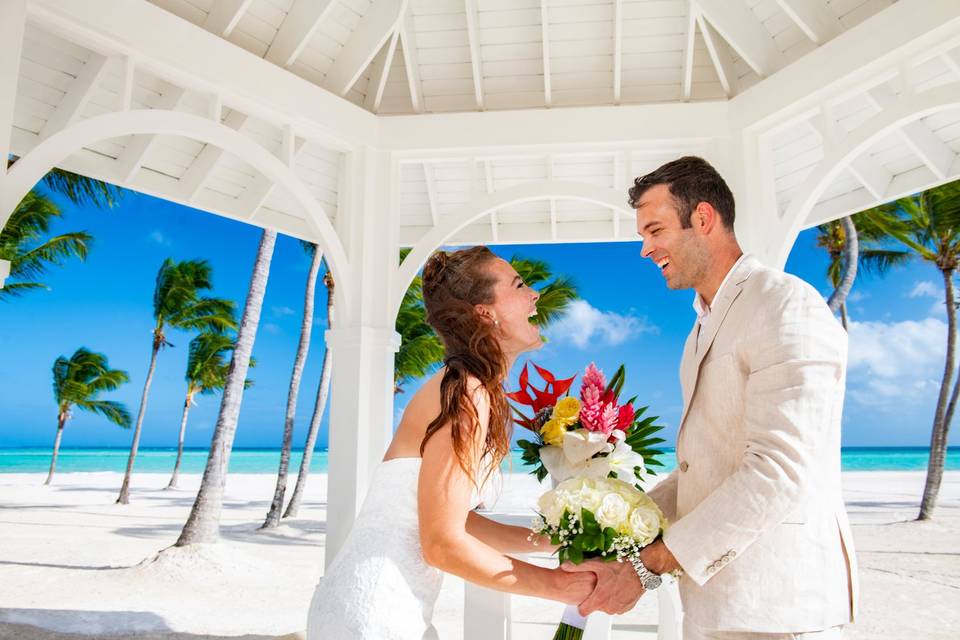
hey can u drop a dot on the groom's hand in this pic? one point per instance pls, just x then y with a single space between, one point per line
618 586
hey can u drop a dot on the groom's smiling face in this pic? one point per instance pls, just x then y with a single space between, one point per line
680 253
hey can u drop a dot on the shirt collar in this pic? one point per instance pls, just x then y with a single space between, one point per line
701 307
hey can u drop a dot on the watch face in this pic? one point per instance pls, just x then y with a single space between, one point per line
653 582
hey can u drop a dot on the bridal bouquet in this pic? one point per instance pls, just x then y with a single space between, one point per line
598 453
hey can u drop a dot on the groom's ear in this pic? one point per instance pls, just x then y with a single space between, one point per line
705 218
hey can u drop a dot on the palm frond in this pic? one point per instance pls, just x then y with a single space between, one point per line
81 190
35 262
113 411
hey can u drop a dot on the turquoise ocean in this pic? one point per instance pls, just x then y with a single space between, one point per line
160 460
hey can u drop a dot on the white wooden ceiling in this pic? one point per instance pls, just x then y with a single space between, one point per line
462 55
545 74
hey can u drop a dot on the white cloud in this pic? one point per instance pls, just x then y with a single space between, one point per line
282 312
896 363
857 296
925 289
159 238
584 325
271 328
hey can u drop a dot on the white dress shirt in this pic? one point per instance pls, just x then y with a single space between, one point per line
703 309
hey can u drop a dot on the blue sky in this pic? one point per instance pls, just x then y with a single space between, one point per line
627 315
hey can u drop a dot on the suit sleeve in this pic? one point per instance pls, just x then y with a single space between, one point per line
665 495
796 358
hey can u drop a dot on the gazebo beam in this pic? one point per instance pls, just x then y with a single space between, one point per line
224 16
688 51
568 126
813 18
617 50
205 63
380 73
297 28
473 36
207 160
719 56
375 28
742 29
545 38
411 63
928 147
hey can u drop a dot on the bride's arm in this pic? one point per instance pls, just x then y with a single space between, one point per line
505 538
444 495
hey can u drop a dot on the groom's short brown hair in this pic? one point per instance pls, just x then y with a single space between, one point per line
691 180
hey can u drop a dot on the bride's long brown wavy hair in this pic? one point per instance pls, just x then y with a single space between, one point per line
453 283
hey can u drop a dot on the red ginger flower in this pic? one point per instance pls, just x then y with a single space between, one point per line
539 399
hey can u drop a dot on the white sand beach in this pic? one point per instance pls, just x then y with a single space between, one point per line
73 562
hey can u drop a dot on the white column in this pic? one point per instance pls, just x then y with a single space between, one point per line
363 340
13 16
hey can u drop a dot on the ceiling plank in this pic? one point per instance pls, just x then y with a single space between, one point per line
256 194
225 15
77 96
373 31
720 56
207 161
473 35
814 18
298 27
934 152
131 159
741 28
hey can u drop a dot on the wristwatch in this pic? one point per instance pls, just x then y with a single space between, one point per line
648 579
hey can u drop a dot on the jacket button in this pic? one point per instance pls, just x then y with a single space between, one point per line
684 466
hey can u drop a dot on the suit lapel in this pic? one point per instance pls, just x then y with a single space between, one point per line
693 358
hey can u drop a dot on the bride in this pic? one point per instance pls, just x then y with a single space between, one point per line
418 520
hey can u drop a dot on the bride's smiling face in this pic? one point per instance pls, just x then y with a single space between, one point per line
513 308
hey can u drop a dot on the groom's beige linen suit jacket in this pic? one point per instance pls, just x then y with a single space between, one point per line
757 516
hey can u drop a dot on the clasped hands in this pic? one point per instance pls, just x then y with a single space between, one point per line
618 587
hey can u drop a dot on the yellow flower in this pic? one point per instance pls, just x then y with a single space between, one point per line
567 410
552 432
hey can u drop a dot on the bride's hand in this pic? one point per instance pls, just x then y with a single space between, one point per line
574 588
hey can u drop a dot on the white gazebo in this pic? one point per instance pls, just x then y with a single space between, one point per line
369 125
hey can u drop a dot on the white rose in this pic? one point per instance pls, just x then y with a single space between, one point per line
551 506
644 524
613 511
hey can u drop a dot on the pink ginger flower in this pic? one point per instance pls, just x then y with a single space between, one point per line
592 386
625 417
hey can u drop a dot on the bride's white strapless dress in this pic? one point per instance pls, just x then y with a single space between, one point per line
379 587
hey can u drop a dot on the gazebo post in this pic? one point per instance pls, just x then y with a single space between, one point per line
13 18
363 340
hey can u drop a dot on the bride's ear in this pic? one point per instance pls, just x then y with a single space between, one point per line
484 313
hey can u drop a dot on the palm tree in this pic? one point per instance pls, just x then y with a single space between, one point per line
842 240
77 381
206 374
24 242
299 361
203 524
928 225
80 190
323 390
177 304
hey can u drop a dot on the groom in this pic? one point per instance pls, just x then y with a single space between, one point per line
759 529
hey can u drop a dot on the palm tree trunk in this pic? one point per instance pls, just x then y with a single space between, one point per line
203 525
124 497
941 417
323 389
306 329
843 316
175 477
851 256
61 420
